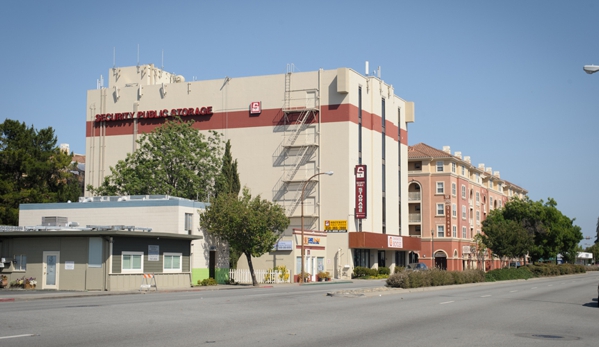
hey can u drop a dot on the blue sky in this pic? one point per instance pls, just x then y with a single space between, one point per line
500 81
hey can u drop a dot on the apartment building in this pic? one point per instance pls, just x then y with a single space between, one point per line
448 198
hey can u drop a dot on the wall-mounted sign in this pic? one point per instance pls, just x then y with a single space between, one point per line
282 246
256 107
311 240
153 253
360 208
330 225
69 265
182 112
394 241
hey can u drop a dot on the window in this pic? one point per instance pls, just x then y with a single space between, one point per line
440 187
463 192
132 262
440 230
94 258
477 177
490 184
440 210
499 186
20 262
454 231
477 198
439 166
490 202
463 170
453 167
478 216
453 189
499 203
172 262
454 210
463 211
463 232
188 222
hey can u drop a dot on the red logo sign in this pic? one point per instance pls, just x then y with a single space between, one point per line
256 107
360 173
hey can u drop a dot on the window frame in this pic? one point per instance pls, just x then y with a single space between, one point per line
132 253
172 254
440 184
440 168
463 191
454 231
464 215
440 208
454 189
440 230
20 263
454 210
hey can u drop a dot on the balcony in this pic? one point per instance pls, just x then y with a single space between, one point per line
415 218
414 196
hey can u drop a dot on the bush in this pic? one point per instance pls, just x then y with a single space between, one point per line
399 269
383 270
360 271
508 274
434 277
207 282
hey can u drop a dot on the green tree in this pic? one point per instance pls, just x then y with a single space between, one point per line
228 180
175 159
523 220
228 183
597 230
32 169
250 226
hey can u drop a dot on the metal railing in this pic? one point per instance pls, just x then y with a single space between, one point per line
243 276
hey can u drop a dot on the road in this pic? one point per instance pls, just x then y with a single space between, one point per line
549 312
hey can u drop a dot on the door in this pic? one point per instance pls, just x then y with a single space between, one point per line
212 265
50 270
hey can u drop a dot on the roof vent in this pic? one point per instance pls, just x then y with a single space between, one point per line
54 221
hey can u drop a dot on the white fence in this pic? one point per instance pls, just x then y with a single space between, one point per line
243 276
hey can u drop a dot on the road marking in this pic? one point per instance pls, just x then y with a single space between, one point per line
551 285
15 336
446 302
513 291
533 288
485 296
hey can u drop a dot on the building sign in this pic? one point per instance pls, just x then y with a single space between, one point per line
282 246
447 220
394 241
331 225
182 112
69 265
256 107
311 240
153 253
360 209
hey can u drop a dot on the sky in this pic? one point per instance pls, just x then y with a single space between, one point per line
500 81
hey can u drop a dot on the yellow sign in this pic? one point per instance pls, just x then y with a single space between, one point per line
335 225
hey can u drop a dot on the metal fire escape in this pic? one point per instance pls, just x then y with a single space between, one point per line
299 148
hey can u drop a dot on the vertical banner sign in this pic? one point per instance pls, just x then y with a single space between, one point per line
360 172
447 220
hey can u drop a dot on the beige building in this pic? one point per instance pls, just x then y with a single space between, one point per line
284 129
449 197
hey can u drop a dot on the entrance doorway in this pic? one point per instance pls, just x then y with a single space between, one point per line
50 270
441 261
381 258
212 265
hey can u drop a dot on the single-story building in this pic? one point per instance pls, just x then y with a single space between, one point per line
103 258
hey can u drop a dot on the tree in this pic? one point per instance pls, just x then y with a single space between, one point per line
175 159
32 169
228 180
597 238
249 226
228 183
509 231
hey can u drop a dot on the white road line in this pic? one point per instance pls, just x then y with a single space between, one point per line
446 302
533 288
15 336
551 285
484 296
513 291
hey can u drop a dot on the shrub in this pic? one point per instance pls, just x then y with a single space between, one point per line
399 280
383 270
399 269
207 282
360 271
508 274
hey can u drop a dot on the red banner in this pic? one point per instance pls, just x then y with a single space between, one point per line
360 173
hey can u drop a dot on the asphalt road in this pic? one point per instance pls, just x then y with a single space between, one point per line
558 311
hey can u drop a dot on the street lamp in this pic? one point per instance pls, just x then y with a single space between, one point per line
433 248
302 200
590 68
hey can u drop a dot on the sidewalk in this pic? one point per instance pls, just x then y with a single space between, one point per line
12 295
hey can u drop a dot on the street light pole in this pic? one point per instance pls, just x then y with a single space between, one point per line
433 248
302 217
